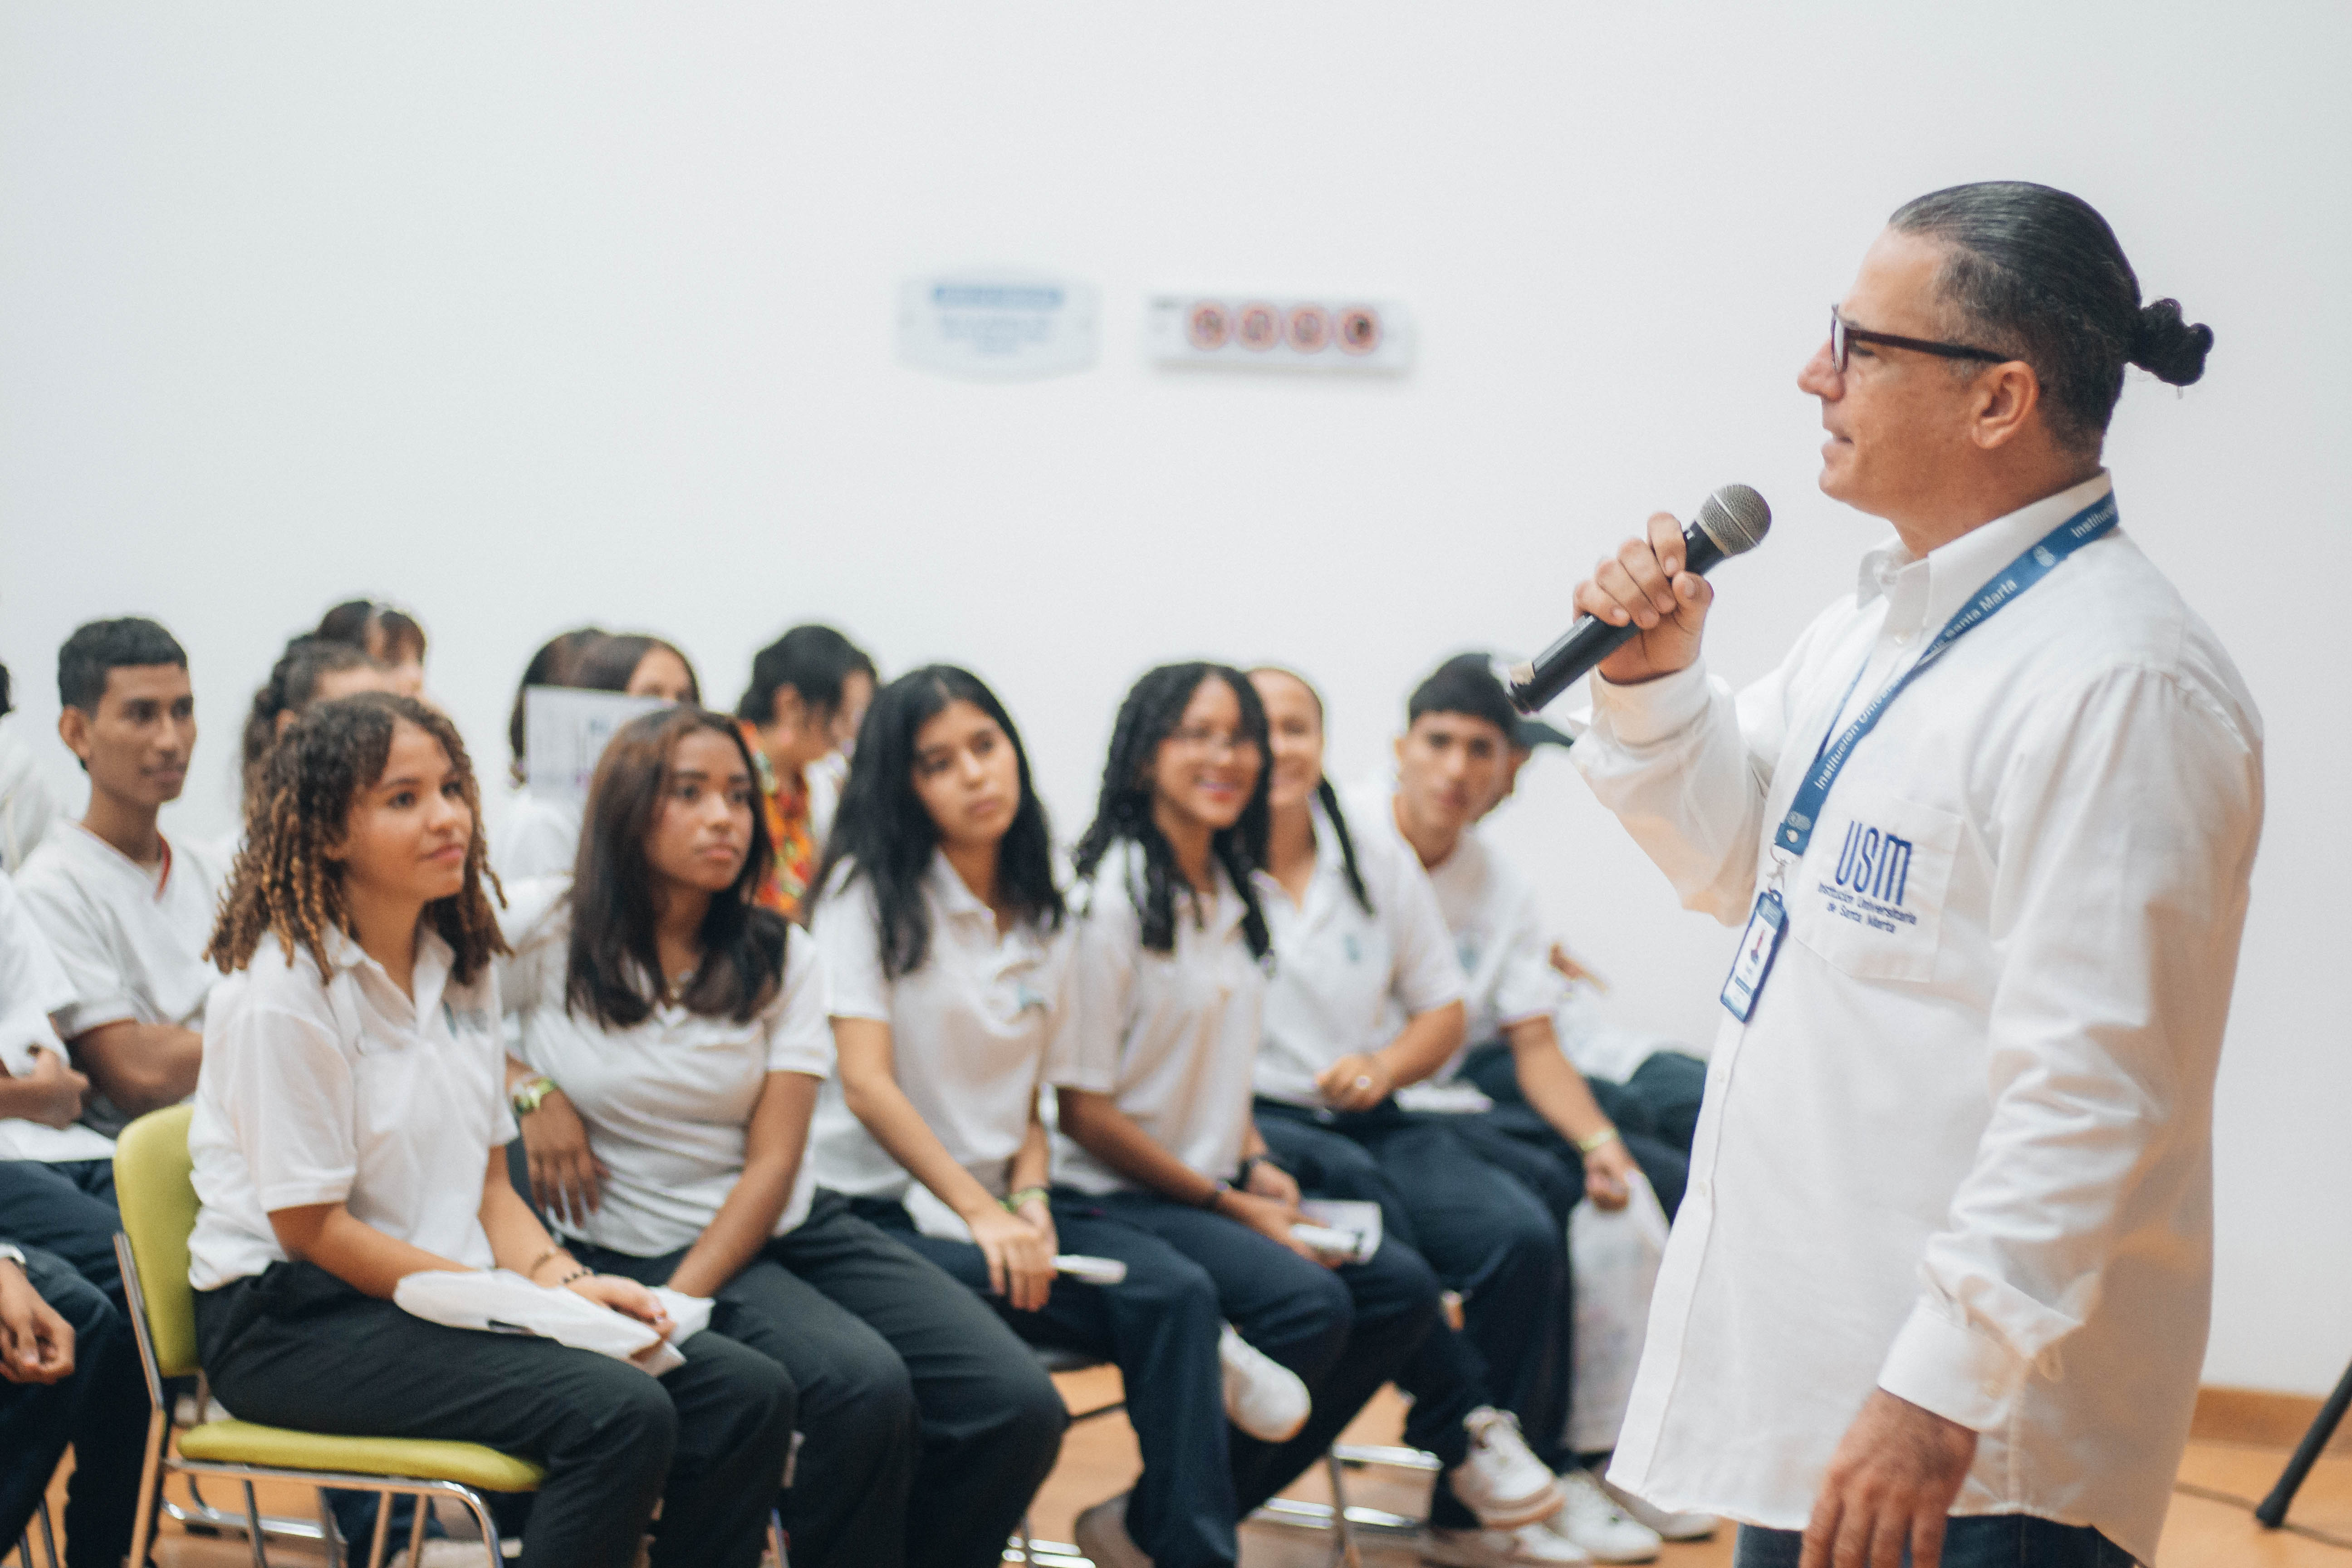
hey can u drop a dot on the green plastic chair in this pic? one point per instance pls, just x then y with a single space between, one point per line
151 1184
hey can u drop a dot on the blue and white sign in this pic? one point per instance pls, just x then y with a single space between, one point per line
997 326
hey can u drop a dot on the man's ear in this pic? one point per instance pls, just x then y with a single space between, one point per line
2008 396
1400 748
73 729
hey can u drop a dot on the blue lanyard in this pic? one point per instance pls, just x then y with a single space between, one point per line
2090 523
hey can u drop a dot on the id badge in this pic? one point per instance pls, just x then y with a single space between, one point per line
1757 945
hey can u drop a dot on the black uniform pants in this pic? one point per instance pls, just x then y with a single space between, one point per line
102 1409
926 1425
295 1346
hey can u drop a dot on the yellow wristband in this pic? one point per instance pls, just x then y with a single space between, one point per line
1600 1140
1013 1201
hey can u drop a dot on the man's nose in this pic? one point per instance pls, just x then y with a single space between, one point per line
1820 376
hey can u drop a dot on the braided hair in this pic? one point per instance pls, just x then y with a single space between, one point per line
284 882
1123 810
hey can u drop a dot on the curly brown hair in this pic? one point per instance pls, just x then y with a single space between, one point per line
284 881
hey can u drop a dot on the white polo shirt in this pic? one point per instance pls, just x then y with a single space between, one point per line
668 1102
27 808
132 940
1498 930
1962 1149
1171 1036
32 987
1345 979
537 837
342 1090
972 1032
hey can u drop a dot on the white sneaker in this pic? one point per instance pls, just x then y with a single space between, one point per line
1669 1525
1529 1546
1500 1482
1595 1522
1103 1539
1263 1397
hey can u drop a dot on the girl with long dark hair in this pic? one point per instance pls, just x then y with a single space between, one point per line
947 954
349 1132
1155 1117
311 670
687 1028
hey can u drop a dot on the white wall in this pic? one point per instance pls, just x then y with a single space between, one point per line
528 315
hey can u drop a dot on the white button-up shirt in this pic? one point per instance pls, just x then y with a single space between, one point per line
341 1088
1962 1149
1170 1036
973 1032
668 1102
1346 978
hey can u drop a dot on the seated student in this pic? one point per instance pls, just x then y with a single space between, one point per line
1367 998
27 805
947 957
349 1132
68 1373
689 1035
126 910
56 1176
311 670
1155 1112
390 637
808 693
1650 1087
1554 1137
540 837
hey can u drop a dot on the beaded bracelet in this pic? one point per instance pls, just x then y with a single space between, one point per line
1015 1202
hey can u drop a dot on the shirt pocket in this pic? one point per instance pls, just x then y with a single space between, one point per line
1869 896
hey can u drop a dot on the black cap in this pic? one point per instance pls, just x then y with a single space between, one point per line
1530 733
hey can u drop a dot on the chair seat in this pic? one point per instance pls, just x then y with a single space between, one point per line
417 1458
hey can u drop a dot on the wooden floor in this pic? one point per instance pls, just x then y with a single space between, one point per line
1099 1459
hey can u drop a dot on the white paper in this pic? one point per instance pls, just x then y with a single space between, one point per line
564 732
501 1301
1359 1222
1613 1261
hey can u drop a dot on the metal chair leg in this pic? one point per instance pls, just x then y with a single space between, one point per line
253 1529
382 1526
417 1531
776 1542
48 1539
331 1535
1343 1545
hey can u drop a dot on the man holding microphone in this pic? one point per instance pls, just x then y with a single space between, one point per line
1942 1277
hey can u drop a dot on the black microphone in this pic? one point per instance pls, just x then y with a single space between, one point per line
1731 522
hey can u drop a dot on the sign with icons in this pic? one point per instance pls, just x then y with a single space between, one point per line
564 732
997 326
1346 334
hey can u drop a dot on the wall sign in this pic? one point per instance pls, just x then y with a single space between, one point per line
997 326
1250 332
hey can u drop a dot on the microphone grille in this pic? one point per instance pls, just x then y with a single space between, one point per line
1735 517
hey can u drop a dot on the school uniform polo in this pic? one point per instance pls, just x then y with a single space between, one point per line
973 1033
1343 973
1498 926
1962 1148
1171 1036
339 1088
668 1102
32 987
537 838
131 937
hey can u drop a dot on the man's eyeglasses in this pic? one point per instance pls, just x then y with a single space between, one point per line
1843 337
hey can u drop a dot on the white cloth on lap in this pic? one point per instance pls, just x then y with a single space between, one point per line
501 1301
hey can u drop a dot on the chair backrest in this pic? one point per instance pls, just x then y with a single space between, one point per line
154 1189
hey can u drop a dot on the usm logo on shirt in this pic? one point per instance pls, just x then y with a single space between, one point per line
1875 864
1870 878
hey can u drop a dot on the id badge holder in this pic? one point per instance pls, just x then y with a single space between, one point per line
1759 944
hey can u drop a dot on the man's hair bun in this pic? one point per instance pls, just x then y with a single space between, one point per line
2168 347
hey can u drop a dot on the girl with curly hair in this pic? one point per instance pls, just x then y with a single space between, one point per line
349 1132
